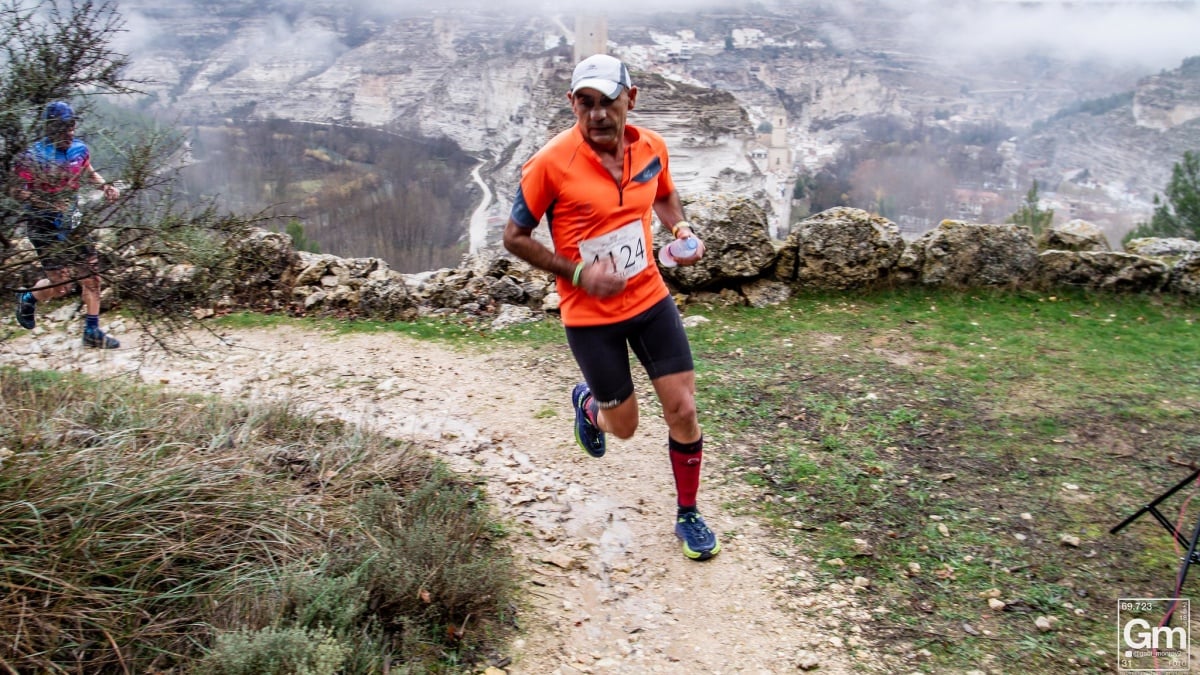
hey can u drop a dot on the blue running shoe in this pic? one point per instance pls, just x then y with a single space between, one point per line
587 435
699 542
26 308
95 339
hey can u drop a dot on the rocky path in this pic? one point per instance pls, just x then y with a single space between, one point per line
608 589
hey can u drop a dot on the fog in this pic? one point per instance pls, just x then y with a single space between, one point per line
1148 34
1154 35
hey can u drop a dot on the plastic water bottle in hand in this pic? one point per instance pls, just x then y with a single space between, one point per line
679 248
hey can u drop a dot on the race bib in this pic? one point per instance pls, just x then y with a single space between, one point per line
625 248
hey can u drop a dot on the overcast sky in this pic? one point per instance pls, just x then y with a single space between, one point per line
1147 33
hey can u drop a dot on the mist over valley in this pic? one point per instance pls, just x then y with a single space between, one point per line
917 111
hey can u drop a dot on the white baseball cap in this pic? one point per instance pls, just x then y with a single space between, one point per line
603 73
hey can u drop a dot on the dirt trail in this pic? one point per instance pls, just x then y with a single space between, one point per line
609 590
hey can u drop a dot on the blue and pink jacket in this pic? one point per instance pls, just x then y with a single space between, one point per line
49 171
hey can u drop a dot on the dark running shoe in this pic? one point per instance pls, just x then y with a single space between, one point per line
26 309
699 542
587 435
95 339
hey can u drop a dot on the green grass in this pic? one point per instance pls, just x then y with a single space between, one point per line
883 415
141 532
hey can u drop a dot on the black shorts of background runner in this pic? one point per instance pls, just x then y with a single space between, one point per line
59 247
657 338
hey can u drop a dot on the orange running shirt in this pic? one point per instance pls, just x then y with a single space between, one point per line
586 208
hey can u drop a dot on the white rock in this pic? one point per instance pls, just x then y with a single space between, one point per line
807 661
560 560
1046 623
1070 540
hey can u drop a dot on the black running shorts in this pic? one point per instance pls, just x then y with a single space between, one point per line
602 352
59 247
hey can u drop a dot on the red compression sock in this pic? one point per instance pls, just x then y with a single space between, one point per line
685 463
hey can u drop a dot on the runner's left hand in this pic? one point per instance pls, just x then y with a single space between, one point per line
684 262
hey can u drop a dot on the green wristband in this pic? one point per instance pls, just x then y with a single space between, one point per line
578 273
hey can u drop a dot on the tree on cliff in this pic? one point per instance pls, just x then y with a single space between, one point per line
1179 215
63 50
1030 214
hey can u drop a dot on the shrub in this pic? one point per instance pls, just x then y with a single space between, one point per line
272 651
141 531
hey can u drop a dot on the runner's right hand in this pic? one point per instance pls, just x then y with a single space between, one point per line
601 280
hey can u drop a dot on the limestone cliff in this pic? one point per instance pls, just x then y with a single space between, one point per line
1169 100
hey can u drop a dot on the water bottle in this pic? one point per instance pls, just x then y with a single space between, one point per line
679 248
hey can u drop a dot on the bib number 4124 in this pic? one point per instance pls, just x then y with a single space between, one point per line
624 249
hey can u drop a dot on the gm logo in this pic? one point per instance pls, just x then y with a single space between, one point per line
1152 635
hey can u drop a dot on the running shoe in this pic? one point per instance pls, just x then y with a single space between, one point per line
95 339
699 542
587 435
26 308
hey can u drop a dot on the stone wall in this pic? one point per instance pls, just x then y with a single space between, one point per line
838 249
